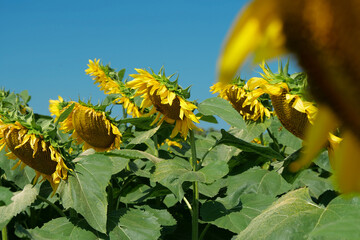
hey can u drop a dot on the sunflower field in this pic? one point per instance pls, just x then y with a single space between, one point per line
83 173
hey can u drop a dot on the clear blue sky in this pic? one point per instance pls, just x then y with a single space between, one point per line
45 45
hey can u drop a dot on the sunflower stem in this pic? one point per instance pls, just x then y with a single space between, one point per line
204 231
124 112
195 207
52 205
4 234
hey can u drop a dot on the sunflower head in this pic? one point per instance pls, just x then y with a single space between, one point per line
93 127
165 99
241 98
111 82
33 150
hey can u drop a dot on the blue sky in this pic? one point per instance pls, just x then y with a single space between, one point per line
45 45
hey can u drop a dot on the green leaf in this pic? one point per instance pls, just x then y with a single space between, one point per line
255 180
133 224
317 185
20 177
339 220
214 171
207 118
172 173
230 140
222 108
137 194
239 217
323 161
162 215
20 201
212 189
134 154
5 196
141 137
60 228
84 190
65 114
291 217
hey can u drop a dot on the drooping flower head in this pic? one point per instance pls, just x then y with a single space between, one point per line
287 97
92 126
166 99
31 148
238 94
111 82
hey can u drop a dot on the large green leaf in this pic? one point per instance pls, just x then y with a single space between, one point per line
290 217
235 219
5 196
173 173
20 177
339 220
162 215
141 137
84 190
317 185
296 216
134 154
255 180
230 140
20 201
60 229
133 224
212 189
222 108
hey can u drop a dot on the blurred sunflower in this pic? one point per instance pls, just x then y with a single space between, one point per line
238 94
90 126
33 151
166 99
321 34
111 83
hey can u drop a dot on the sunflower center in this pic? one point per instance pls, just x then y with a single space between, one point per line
238 103
41 161
293 120
92 128
172 111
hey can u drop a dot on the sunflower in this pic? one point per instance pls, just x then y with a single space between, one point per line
237 93
166 99
106 79
92 127
33 151
293 111
321 34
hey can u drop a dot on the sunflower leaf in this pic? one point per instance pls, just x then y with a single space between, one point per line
5 196
230 140
60 228
131 224
20 201
141 137
222 108
85 189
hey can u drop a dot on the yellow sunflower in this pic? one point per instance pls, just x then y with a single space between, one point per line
166 99
33 151
321 34
107 84
238 94
93 128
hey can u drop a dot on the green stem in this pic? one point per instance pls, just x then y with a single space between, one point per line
195 207
124 112
155 138
52 205
204 231
4 234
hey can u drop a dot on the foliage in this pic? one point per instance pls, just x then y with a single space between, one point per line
145 189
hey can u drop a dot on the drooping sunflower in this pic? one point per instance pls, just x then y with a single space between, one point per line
91 126
293 111
34 151
111 83
166 99
321 34
238 94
